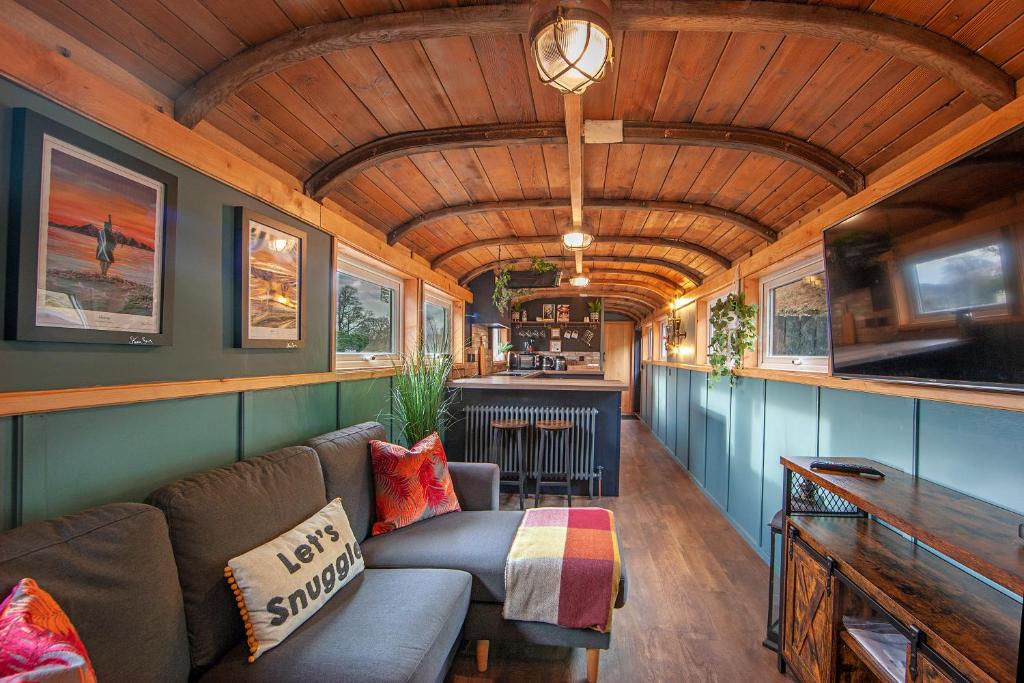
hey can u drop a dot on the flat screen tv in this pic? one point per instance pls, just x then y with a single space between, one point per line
928 285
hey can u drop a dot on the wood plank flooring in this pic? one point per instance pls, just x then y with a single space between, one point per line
697 592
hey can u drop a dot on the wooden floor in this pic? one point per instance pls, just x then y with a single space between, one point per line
697 591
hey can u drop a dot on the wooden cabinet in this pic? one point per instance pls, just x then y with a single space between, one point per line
808 641
927 672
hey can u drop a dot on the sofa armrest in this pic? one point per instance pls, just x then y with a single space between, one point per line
476 484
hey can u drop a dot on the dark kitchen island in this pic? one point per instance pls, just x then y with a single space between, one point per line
592 404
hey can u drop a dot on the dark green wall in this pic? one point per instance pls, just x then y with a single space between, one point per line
57 463
68 461
730 439
204 286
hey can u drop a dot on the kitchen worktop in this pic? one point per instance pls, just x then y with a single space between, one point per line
538 382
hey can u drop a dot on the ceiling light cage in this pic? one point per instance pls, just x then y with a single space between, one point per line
572 43
577 240
579 281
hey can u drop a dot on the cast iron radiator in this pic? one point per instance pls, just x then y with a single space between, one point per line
579 440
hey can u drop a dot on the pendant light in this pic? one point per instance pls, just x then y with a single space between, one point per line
579 281
577 240
571 42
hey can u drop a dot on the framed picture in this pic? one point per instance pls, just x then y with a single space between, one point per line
563 313
556 346
272 290
548 311
92 240
556 332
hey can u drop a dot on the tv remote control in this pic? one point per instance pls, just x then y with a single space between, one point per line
846 468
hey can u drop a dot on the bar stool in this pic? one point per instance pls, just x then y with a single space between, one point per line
510 433
554 431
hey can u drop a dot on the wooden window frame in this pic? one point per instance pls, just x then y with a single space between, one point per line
356 265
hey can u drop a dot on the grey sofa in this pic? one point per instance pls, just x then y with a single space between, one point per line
144 583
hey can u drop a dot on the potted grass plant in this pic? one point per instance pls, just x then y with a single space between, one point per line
422 402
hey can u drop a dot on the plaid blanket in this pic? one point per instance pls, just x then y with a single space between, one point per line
564 568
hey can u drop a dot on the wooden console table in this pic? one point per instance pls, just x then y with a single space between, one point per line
865 600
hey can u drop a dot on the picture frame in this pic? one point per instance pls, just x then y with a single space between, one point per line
548 311
563 313
92 240
271 268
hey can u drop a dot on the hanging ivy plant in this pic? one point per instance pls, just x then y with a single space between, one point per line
733 333
502 294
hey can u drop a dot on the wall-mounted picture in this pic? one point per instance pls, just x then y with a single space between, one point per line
95 240
563 313
272 258
548 311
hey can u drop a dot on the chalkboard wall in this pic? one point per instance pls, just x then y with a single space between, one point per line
204 285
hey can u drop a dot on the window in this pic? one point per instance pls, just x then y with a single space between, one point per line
437 323
368 315
649 342
966 280
663 339
794 323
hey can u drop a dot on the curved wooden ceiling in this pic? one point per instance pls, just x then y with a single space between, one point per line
855 82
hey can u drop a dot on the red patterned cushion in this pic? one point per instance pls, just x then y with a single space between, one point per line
412 484
38 642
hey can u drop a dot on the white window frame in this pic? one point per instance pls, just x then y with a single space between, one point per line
663 329
780 278
435 298
648 342
358 268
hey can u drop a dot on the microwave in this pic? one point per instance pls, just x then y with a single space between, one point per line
529 361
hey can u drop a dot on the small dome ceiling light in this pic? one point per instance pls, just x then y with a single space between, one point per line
572 42
577 240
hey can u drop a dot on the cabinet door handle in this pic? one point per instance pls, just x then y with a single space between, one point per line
828 579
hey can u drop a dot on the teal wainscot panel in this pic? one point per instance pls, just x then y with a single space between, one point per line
274 418
746 457
367 400
717 474
973 450
698 425
682 417
81 458
854 424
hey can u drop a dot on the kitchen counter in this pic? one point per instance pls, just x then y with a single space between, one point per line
538 382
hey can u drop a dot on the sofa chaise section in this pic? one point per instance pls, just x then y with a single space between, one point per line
401 625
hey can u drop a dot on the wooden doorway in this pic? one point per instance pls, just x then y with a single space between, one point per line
618 359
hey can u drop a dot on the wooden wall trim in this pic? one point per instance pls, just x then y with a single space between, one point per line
54 400
46 71
968 397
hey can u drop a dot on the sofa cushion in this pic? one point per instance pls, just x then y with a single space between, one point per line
225 512
285 581
112 572
387 626
348 474
475 542
411 484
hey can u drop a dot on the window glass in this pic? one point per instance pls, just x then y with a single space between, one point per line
968 279
795 321
367 313
437 326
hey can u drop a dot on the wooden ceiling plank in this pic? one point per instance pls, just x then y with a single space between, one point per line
201 20
262 104
176 33
396 192
556 164
643 64
70 21
623 165
254 21
409 67
689 71
530 169
404 173
227 121
436 170
286 96
501 171
470 172
503 59
655 162
455 62
306 13
743 62
371 83
266 129
324 90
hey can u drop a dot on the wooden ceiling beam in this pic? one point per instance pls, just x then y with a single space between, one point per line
398 233
693 274
332 176
592 259
913 44
598 281
574 140
651 277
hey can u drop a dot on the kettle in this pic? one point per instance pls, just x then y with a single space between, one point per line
548 363
561 363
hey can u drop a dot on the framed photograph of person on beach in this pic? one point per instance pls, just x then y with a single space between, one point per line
272 287
93 243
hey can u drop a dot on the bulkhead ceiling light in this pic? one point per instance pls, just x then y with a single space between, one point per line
579 281
572 42
577 240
